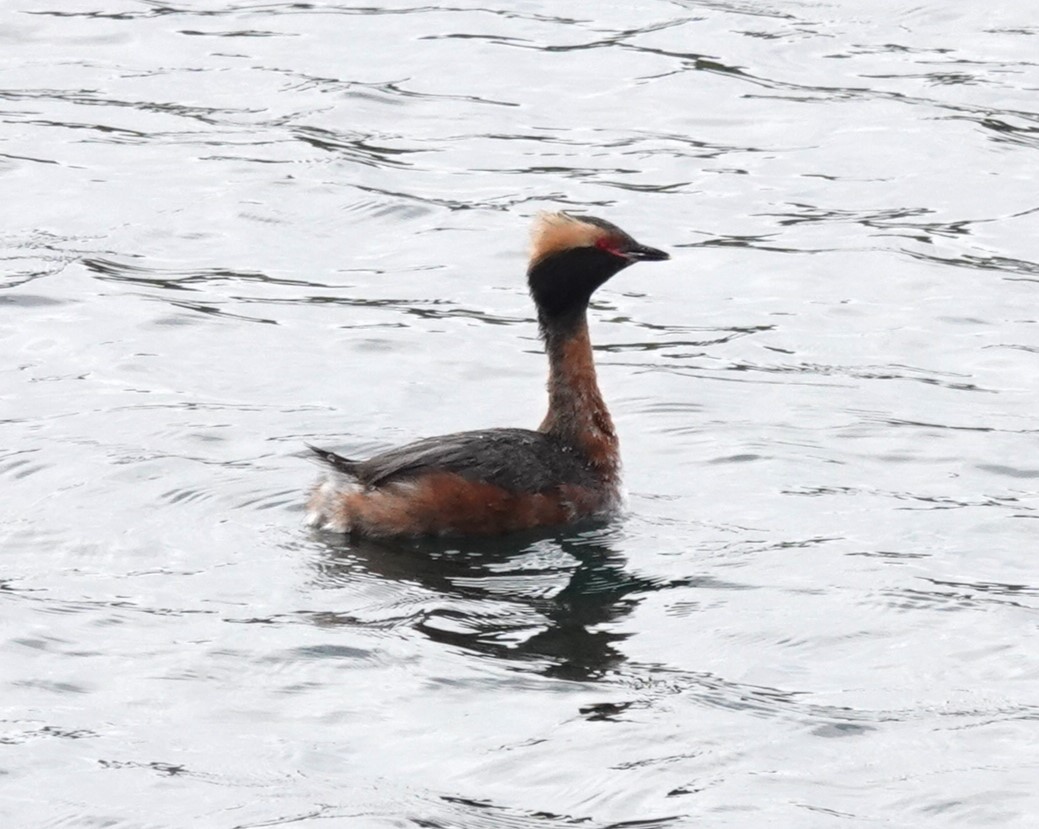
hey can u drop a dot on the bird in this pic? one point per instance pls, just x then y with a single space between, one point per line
495 481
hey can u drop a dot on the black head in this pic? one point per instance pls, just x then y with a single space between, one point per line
572 256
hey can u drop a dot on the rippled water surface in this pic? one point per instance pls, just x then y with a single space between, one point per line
228 229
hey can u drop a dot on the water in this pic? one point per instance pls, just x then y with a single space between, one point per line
230 229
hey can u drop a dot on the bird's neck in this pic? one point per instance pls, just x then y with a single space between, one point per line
576 411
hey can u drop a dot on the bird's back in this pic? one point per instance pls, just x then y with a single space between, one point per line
518 460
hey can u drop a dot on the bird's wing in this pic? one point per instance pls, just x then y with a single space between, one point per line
518 460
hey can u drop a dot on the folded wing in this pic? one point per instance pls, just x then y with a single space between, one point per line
517 460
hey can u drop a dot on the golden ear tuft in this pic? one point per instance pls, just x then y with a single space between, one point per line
556 232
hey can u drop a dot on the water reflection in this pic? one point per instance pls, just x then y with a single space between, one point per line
551 601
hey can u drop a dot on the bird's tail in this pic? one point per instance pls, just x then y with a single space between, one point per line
337 462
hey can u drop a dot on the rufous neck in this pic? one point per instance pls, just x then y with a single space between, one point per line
577 412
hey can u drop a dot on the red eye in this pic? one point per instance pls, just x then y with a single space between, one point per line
609 245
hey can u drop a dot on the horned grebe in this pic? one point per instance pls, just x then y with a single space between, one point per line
493 481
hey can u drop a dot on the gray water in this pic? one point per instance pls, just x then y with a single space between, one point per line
228 229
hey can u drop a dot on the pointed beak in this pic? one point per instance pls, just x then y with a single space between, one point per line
642 253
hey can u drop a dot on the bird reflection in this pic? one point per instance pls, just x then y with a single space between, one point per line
541 599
